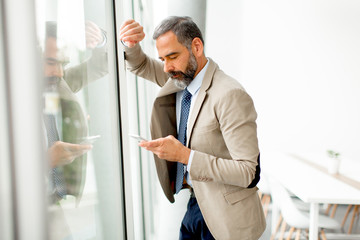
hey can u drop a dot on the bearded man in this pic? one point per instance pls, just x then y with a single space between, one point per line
204 132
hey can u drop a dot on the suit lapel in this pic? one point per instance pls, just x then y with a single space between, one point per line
201 97
163 122
168 89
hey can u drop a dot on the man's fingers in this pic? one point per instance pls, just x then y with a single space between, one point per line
137 37
127 22
133 38
151 144
80 153
157 147
91 24
132 30
157 150
157 142
124 28
78 147
168 148
132 33
93 30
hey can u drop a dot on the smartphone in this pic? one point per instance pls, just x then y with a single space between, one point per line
137 137
89 139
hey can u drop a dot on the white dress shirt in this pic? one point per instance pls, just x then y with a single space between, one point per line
193 88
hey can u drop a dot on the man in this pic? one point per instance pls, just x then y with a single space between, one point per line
65 121
216 151
64 151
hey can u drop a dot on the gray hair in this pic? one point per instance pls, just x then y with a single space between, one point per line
51 29
183 27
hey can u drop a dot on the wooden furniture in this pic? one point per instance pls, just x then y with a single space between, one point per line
350 207
297 220
311 183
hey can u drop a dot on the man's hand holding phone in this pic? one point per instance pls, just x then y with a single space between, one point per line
62 153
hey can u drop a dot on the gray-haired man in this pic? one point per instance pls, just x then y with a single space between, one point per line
204 131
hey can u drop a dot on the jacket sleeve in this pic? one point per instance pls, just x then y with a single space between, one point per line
91 70
143 66
236 116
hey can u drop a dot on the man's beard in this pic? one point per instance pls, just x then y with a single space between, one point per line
182 80
52 79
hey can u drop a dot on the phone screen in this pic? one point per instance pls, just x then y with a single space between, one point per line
89 139
137 137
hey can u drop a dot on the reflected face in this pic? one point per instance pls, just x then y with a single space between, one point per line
52 66
179 62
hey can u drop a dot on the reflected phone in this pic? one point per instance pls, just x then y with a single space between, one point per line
137 137
89 139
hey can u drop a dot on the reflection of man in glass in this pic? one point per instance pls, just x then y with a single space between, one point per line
66 125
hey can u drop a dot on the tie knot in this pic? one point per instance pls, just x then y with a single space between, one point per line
187 94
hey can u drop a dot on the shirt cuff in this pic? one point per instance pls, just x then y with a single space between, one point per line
190 161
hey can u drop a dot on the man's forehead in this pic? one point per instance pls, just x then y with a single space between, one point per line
52 50
168 43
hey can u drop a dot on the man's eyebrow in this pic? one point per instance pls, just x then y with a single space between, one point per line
51 59
167 55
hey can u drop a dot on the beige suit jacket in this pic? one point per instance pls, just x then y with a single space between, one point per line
222 132
76 127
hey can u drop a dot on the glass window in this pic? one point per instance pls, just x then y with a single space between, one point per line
81 119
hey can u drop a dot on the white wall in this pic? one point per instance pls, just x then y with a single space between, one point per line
300 61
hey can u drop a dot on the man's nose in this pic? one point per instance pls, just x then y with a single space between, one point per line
168 67
58 70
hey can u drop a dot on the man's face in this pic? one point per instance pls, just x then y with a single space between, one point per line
179 62
52 65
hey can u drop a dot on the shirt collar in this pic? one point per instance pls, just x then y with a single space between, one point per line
195 84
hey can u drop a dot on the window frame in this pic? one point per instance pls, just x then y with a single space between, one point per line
24 124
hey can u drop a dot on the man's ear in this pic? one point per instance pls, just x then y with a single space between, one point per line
197 47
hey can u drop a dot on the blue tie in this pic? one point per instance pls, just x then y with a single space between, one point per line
56 173
185 107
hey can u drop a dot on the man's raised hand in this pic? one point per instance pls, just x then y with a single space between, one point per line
131 33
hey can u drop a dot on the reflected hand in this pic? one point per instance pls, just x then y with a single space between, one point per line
93 35
168 148
131 33
62 153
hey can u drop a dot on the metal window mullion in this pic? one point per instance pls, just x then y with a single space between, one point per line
121 12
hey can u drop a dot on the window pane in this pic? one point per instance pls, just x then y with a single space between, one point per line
81 119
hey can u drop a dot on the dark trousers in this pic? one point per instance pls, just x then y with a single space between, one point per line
193 225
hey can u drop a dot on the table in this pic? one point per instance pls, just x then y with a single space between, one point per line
308 179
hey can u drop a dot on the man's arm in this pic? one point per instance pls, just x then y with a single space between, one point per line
236 115
237 122
96 66
131 33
